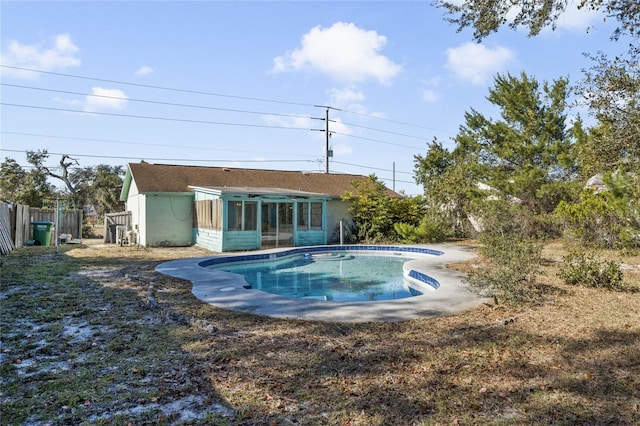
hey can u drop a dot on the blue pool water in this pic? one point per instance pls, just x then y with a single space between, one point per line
340 277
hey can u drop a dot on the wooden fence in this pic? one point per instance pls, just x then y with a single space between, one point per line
69 221
115 227
16 229
6 240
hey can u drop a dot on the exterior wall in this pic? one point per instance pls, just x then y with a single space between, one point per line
311 238
337 210
136 205
210 239
169 219
241 240
226 240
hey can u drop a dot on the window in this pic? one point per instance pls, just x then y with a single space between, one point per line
303 215
207 214
234 216
316 216
309 215
242 215
250 216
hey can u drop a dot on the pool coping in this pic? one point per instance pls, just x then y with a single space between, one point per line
227 290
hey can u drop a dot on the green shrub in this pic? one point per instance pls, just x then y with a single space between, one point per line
406 232
609 218
513 264
588 270
432 229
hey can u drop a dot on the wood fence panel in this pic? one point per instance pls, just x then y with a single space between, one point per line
70 220
22 225
112 221
6 242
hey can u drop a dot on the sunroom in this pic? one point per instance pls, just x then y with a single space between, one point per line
244 218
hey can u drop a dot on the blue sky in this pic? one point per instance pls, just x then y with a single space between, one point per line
239 84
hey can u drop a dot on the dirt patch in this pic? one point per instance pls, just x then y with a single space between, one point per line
82 344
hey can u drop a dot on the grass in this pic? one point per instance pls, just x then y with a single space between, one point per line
82 345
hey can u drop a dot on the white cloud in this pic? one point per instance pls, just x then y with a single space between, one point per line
102 99
343 52
339 127
476 63
430 93
59 55
295 121
338 131
430 96
144 70
343 97
341 150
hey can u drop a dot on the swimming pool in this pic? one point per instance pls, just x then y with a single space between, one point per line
424 267
337 277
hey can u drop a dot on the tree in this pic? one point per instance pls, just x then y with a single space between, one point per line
369 207
601 149
375 212
22 187
488 16
100 187
611 89
607 218
37 159
97 186
524 157
449 183
611 86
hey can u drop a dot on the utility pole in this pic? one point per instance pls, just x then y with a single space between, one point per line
326 140
394 176
327 135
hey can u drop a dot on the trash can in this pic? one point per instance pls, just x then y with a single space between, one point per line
42 232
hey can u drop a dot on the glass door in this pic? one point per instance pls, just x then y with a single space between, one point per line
277 225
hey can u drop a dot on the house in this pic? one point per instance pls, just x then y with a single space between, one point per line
226 209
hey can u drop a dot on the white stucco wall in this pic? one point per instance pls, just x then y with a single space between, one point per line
337 210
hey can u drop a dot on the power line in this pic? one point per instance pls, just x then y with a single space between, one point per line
186 120
149 86
170 146
152 102
200 92
117 157
148 117
377 140
385 131
370 167
397 121
129 142
220 109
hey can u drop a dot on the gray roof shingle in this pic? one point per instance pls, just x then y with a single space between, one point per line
177 178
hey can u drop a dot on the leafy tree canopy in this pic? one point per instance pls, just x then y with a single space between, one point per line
610 87
488 16
374 211
528 147
24 187
97 186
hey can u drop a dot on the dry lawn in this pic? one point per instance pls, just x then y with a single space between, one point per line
81 344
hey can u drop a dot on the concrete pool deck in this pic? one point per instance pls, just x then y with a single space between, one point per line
227 290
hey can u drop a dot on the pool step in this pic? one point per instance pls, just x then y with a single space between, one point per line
422 277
